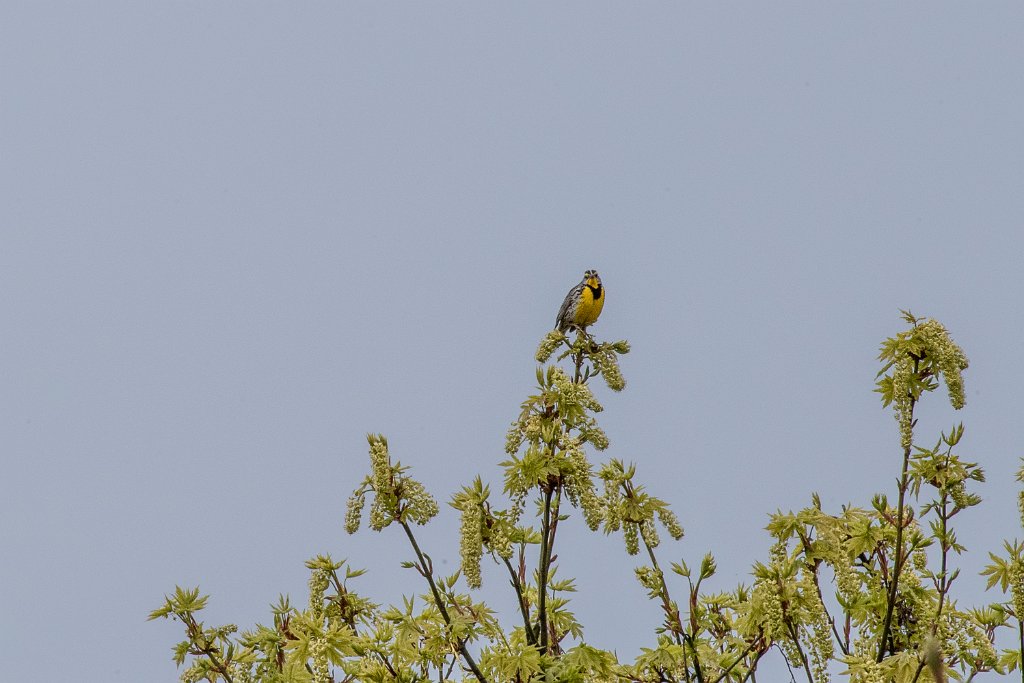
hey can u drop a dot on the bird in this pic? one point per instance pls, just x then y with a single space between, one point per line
582 304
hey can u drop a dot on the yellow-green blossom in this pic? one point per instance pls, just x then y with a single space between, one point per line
948 358
354 511
631 535
471 544
548 345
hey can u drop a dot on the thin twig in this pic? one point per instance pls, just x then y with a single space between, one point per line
792 677
738 660
803 658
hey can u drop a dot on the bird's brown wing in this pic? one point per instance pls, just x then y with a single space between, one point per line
564 319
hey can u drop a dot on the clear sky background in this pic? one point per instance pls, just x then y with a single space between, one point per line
235 237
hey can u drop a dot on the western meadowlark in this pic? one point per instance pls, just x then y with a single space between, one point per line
582 304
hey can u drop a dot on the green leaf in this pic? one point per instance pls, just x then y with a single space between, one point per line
681 568
161 612
707 566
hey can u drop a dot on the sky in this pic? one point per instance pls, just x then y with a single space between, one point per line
236 237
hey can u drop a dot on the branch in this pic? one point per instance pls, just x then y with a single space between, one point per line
672 619
530 638
753 665
207 649
943 584
899 560
795 635
542 572
427 571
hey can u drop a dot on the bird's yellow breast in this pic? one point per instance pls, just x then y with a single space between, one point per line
590 305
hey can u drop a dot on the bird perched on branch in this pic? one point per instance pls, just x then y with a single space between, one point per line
582 304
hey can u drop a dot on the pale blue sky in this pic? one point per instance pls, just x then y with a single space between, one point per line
235 237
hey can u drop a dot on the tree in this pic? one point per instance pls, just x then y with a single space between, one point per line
867 591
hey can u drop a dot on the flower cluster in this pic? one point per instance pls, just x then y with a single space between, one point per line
903 399
553 427
471 501
767 599
915 358
380 465
606 361
573 396
631 536
579 484
548 345
650 578
1020 496
471 544
1016 583
498 532
946 357
627 506
603 358
318 648
967 639
354 512
671 523
396 495
820 638
319 582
